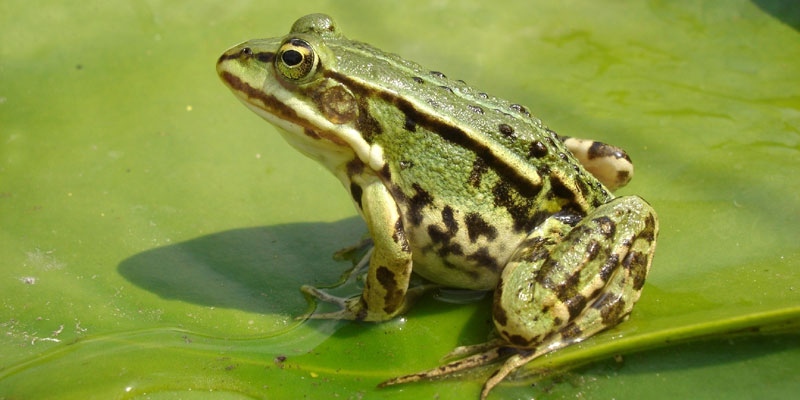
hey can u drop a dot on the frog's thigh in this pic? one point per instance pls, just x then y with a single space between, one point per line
384 294
609 164
586 282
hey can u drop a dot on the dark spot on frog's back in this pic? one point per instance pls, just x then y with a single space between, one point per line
507 130
537 149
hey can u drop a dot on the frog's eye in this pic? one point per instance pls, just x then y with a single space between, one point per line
296 60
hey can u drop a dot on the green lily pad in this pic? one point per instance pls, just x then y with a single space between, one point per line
154 233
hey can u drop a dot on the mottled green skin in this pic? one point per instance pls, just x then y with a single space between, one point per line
468 190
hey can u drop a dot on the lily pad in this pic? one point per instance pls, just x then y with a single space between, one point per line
154 233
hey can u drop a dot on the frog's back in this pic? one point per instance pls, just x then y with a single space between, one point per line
472 173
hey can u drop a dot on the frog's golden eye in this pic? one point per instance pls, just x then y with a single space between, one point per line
296 60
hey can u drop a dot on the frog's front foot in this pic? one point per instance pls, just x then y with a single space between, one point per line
356 309
351 308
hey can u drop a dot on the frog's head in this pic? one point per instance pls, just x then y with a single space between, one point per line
285 81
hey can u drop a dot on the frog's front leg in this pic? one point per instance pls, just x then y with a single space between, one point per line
386 292
609 164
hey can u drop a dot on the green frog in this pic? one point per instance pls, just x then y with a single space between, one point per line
462 188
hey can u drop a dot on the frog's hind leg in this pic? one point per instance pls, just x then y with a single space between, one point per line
558 290
492 353
511 365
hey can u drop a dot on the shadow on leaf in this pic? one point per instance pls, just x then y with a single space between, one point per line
785 11
256 269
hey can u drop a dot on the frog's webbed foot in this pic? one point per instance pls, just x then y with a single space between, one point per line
473 361
361 251
354 308
347 311
465 351
361 267
350 252
512 364
476 356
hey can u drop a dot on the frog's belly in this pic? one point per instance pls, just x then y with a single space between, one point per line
452 272
461 263
448 252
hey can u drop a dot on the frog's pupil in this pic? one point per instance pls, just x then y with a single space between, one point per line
291 57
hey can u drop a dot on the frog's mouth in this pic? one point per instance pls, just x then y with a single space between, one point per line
303 127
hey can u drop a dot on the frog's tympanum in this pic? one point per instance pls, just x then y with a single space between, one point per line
462 188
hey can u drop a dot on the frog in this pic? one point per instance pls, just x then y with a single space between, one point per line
459 187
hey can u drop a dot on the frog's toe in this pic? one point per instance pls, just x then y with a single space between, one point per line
474 361
352 251
323 295
328 298
466 351
351 308
343 314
